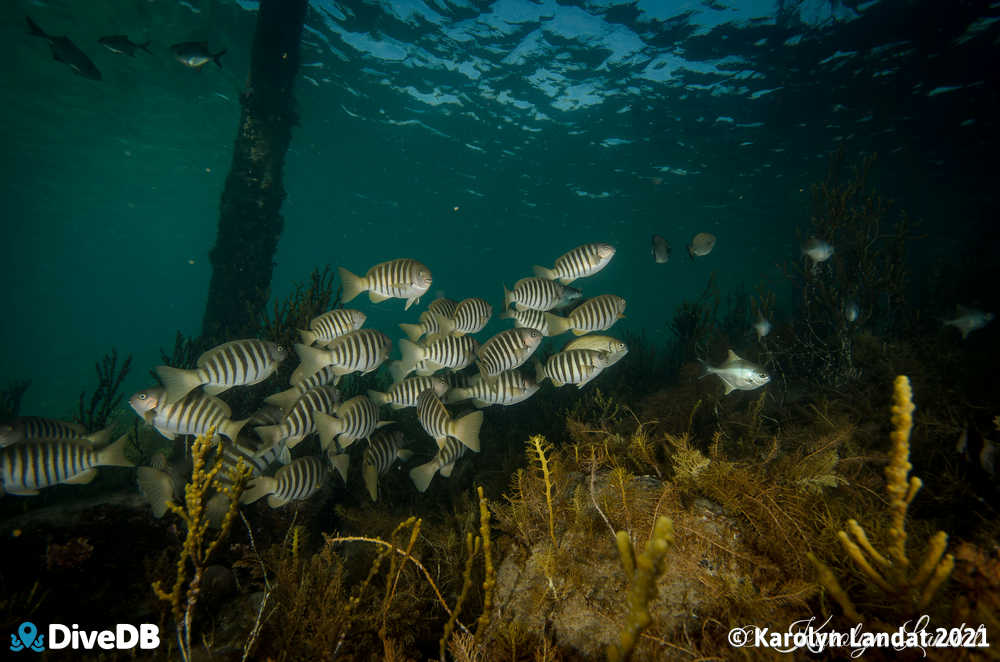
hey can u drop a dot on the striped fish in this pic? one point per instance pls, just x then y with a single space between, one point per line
428 325
361 351
438 423
470 316
299 423
615 348
582 261
384 448
35 428
287 398
27 468
405 393
576 366
457 379
507 350
332 324
597 314
444 461
195 414
509 388
235 363
538 294
355 419
527 319
256 460
453 353
403 279
299 480
442 306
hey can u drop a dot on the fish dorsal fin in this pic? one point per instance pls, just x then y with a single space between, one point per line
733 356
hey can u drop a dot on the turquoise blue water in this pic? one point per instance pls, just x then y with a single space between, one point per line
478 139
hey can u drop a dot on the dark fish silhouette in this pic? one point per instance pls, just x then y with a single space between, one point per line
195 54
65 51
121 44
661 249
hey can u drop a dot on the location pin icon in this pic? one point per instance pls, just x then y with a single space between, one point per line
27 633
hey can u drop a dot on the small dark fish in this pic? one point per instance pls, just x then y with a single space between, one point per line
65 51
122 45
195 54
661 249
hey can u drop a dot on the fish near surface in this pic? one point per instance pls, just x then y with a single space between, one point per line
968 320
738 374
65 51
195 54
582 261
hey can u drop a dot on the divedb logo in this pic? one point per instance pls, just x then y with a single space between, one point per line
122 637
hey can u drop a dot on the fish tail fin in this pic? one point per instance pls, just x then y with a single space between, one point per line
145 46
456 394
341 462
308 337
312 360
217 58
269 434
466 429
422 475
285 399
446 324
114 455
508 297
34 30
328 427
157 487
412 355
396 370
100 437
540 375
257 488
706 369
178 382
506 315
231 429
412 331
542 272
557 324
353 285
378 397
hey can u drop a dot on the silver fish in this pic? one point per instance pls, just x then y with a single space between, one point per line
507 350
405 393
576 366
585 260
299 480
597 314
538 294
27 468
195 54
448 453
331 325
968 320
439 424
738 374
470 316
299 423
509 388
355 419
701 245
194 415
403 278
660 250
235 363
361 351
384 448
527 319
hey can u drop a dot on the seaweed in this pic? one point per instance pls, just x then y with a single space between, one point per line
10 398
106 397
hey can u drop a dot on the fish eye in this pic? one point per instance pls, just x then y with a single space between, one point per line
142 396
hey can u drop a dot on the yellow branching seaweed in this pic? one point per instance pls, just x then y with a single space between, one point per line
489 576
197 547
891 572
537 449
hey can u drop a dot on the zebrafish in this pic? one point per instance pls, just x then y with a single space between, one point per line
195 414
429 325
527 319
299 423
285 399
384 448
967 320
361 351
65 51
403 278
122 45
538 294
615 348
438 423
585 260
405 393
453 353
576 366
195 54
235 363
331 325
448 453
35 428
507 350
355 419
660 249
301 479
470 316
509 388
738 374
597 314
701 245
27 468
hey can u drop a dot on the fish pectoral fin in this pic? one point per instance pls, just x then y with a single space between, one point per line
82 478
